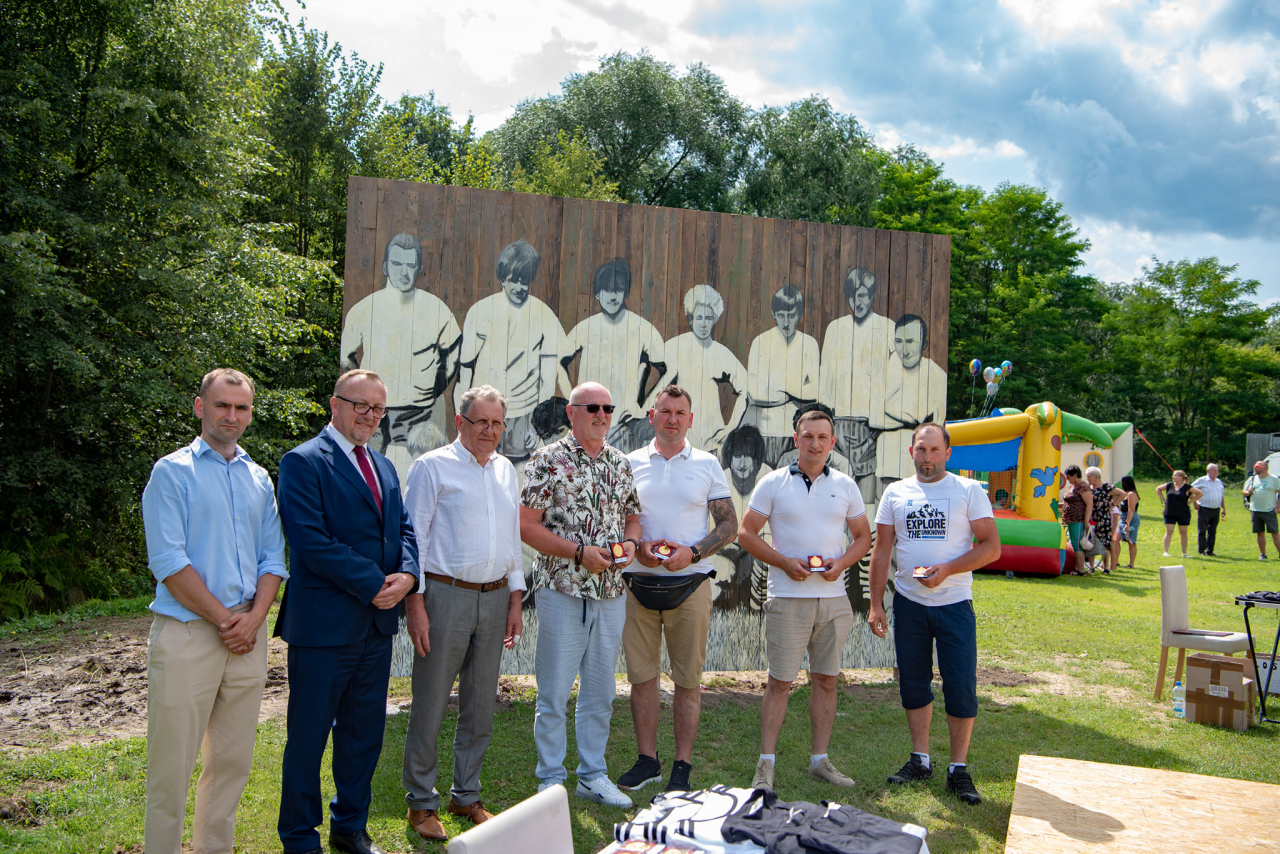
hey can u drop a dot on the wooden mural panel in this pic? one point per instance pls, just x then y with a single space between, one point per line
450 287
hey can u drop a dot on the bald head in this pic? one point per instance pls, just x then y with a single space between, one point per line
582 391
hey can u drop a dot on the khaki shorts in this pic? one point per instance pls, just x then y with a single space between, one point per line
686 632
794 626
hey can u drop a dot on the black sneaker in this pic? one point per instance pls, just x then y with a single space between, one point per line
646 770
961 783
679 781
912 772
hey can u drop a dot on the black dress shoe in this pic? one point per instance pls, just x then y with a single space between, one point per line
354 843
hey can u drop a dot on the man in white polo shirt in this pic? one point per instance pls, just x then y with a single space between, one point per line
944 529
1210 508
678 486
808 506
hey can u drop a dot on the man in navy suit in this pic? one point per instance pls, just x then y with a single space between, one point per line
353 557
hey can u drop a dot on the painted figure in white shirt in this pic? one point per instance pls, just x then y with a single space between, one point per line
514 342
622 352
782 373
410 338
855 352
915 393
704 366
741 579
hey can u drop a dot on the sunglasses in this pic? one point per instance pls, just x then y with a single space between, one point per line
593 408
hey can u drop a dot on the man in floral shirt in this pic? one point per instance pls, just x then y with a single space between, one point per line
578 502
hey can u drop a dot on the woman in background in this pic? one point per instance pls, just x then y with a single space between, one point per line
1103 493
1176 497
1077 507
1129 520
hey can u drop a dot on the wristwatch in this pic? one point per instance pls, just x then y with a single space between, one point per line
697 555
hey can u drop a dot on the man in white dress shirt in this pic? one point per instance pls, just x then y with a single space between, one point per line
1210 508
410 338
782 374
514 342
464 503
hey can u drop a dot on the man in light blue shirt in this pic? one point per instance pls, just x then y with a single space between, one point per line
215 546
1262 490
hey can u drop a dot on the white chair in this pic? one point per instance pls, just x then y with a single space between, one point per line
540 823
1176 631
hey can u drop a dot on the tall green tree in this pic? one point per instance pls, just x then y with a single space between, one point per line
1193 358
664 138
1017 294
809 162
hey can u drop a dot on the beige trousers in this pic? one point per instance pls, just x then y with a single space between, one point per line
201 699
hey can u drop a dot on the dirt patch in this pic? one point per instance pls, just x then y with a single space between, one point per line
90 684
1000 677
18 811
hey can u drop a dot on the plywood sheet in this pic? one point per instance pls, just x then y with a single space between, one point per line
1067 805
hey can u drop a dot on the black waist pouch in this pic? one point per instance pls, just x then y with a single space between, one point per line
663 592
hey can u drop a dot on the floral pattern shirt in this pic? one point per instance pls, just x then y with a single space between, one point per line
585 501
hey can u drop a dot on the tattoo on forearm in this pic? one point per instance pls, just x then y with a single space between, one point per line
726 526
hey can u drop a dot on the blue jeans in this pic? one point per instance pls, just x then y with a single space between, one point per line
583 642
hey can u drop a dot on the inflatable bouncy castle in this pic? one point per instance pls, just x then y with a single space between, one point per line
1020 456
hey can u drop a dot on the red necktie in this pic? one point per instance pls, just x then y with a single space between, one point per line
365 469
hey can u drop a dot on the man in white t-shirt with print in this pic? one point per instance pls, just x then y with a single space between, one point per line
943 529
808 506
679 486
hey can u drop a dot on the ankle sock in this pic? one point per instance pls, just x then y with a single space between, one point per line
768 756
816 759
924 759
954 765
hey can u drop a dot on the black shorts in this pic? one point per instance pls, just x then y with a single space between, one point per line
1176 518
1265 521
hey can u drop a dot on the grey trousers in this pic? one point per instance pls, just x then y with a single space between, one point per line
467 630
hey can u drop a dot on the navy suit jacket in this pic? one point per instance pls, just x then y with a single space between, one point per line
340 547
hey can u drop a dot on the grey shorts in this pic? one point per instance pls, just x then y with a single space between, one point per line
1265 520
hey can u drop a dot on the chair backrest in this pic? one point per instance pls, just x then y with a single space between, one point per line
1174 612
540 823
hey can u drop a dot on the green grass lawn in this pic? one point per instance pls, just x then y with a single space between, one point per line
1088 648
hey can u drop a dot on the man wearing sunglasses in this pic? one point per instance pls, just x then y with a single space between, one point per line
580 511
464 502
353 557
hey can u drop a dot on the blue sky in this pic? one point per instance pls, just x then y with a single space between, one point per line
1156 124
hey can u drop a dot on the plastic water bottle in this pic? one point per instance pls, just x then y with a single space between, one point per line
1179 700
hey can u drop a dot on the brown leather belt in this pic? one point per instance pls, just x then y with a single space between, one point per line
466 585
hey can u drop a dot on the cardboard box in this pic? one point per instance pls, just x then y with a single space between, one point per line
1221 705
1204 669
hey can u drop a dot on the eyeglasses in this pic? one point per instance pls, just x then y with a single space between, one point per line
495 426
593 408
364 408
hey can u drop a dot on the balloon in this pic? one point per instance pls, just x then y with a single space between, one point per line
989 374
1007 367
999 374
974 367
992 388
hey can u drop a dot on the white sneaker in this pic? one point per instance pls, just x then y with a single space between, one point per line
763 778
1166 554
602 791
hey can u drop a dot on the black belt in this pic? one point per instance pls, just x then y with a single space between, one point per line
466 585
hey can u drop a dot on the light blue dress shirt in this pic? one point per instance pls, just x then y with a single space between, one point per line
216 516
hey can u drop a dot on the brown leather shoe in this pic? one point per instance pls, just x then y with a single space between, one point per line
476 812
427 825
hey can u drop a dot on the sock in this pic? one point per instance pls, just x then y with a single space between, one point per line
954 765
816 759
768 756
924 759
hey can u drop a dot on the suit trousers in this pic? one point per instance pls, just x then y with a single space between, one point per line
201 699
467 630
1207 528
346 684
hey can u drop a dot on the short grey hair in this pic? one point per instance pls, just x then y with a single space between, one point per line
482 392
354 374
703 295
1092 470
